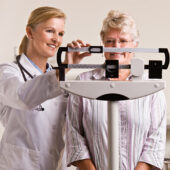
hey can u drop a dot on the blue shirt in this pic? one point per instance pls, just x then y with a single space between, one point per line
48 66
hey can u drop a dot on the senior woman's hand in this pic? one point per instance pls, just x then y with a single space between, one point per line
143 166
85 164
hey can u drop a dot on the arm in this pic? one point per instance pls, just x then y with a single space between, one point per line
77 149
143 166
22 95
85 164
154 147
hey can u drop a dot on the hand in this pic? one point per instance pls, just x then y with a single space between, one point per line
76 57
143 166
85 164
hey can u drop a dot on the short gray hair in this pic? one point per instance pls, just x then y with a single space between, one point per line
121 21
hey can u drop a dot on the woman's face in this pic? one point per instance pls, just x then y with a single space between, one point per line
114 38
46 37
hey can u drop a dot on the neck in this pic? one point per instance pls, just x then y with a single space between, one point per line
40 61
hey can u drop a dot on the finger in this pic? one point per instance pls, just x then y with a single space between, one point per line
86 54
76 44
81 43
73 44
87 45
70 45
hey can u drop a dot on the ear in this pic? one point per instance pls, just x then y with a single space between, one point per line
29 32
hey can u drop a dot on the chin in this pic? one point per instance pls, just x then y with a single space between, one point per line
51 54
115 57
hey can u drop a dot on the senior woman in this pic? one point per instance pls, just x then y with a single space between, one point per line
142 121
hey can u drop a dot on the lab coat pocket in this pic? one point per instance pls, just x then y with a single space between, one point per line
17 158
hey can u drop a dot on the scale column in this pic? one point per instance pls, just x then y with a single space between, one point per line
113 135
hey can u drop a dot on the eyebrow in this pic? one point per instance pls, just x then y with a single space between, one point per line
116 38
53 28
48 27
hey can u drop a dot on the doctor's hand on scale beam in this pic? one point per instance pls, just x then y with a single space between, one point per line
75 57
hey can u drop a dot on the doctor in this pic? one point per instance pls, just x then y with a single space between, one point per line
32 104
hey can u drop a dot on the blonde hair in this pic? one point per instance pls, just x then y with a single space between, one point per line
121 21
37 16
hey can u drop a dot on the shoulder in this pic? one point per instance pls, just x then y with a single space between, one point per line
89 75
9 67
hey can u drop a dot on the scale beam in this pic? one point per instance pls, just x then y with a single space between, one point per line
112 67
112 90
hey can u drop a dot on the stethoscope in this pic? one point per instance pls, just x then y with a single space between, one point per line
23 72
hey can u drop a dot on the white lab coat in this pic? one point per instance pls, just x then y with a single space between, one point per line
32 139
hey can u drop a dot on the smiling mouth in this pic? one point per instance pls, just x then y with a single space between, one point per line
116 55
52 46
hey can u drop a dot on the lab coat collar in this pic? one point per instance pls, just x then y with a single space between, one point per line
29 66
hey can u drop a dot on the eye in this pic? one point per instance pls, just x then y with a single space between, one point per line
109 41
123 41
50 31
61 34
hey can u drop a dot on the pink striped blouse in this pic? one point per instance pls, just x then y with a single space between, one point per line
142 129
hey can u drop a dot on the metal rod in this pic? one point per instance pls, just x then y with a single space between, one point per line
93 66
144 50
87 66
113 135
112 49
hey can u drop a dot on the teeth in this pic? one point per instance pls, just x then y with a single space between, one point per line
52 46
116 54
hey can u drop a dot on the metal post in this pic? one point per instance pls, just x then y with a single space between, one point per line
113 135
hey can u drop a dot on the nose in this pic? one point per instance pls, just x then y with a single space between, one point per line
56 38
116 44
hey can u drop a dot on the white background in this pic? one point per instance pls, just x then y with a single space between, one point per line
84 21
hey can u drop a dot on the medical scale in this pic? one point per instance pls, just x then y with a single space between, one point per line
114 91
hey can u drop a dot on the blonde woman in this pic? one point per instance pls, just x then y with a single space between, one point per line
32 104
142 121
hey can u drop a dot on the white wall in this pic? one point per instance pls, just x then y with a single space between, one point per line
84 20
